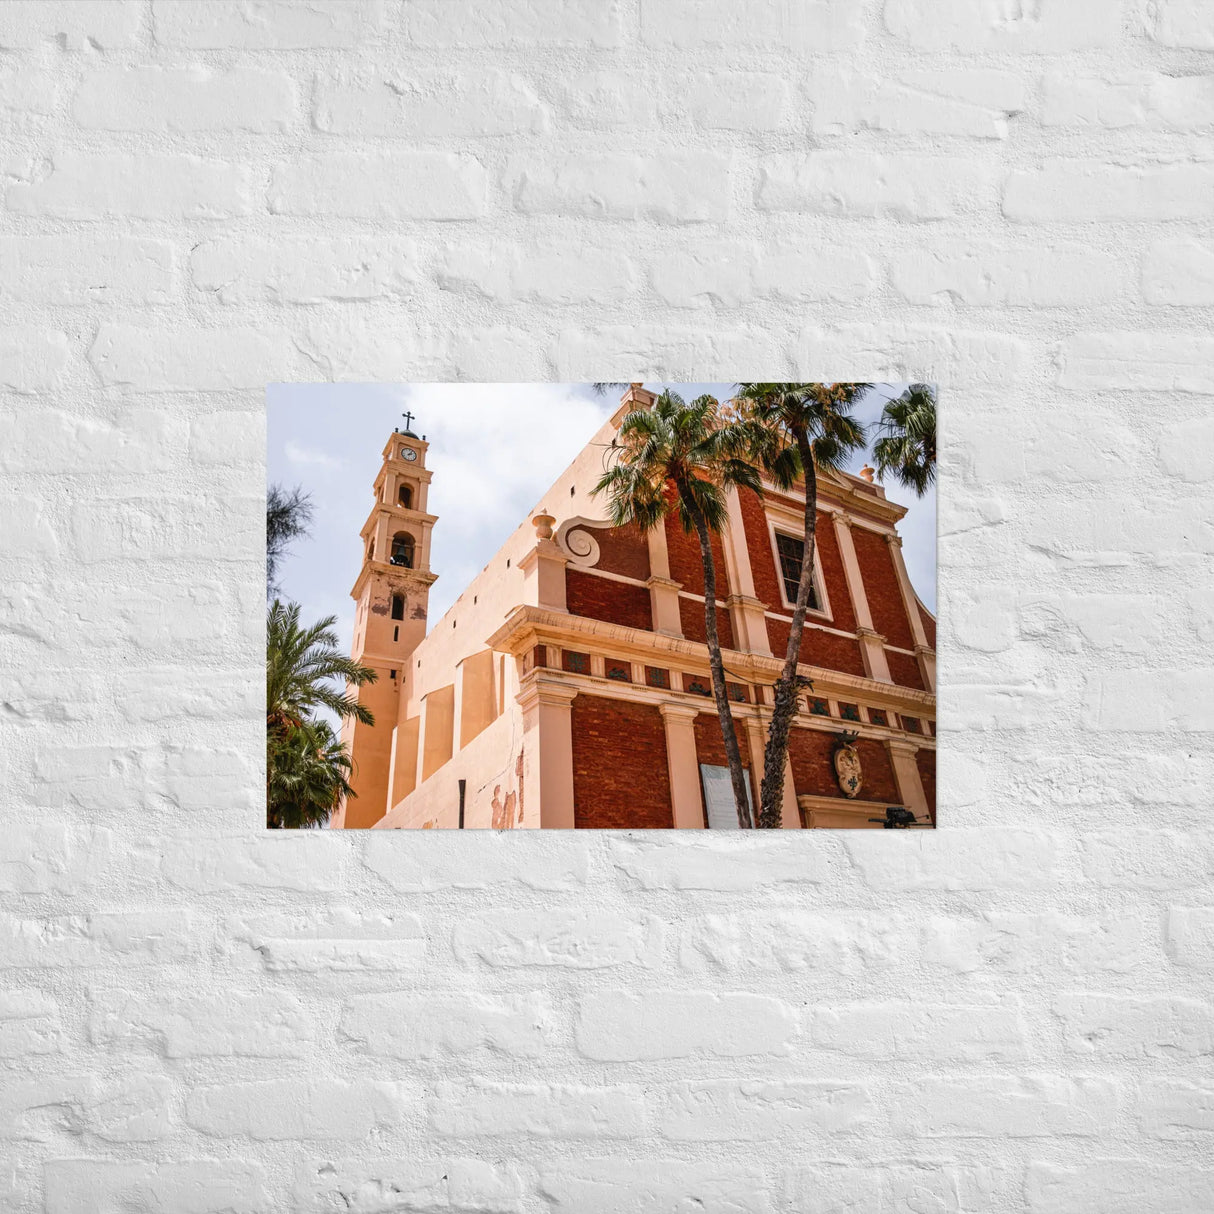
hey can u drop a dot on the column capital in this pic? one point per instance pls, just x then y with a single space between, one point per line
677 712
745 600
537 693
902 746
842 518
669 583
925 650
893 539
870 634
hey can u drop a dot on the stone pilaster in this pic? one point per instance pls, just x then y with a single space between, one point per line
925 654
663 590
906 774
872 643
664 604
683 764
548 751
745 610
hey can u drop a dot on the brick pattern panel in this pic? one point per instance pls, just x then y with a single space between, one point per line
620 777
813 772
926 762
879 782
758 544
929 627
818 648
623 550
602 598
685 563
881 586
691 616
810 753
904 669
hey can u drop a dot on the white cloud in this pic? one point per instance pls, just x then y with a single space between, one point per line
307 457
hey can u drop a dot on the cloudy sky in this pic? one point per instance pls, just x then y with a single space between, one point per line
494 450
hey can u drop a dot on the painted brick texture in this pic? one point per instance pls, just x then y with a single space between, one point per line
1009 1015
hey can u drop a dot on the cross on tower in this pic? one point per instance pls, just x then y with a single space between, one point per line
408 419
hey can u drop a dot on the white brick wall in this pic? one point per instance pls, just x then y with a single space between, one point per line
1013 1014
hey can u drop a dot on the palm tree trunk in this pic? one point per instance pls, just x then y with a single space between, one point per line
716 664
775 755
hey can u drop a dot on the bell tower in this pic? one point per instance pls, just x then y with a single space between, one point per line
392 594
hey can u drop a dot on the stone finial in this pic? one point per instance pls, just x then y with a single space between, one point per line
543 525
867 472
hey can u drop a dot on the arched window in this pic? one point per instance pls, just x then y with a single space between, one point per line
405 497
398 606
402 549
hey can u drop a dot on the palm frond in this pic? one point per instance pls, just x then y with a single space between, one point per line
906 449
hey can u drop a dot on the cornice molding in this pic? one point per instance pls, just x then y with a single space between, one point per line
526 627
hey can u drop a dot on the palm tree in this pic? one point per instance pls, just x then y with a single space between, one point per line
907 446
300 664
685 456
288 516
307 776
794 429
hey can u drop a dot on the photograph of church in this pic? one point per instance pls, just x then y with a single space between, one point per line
570 682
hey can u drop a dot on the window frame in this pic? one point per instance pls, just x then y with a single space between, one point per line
822 611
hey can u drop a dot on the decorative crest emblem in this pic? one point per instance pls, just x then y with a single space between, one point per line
848 770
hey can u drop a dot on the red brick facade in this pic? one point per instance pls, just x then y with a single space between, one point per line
602 598
904 669
623 550
818 648
685 563
926 760
879 782
621 777
813 771
612 740
691 616
763 564
929 628
758 544
881 586
811 754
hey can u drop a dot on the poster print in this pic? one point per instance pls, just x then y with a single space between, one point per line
612 606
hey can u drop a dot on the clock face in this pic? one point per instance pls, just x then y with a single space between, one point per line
408 453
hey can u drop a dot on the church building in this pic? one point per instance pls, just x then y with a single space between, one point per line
569 686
